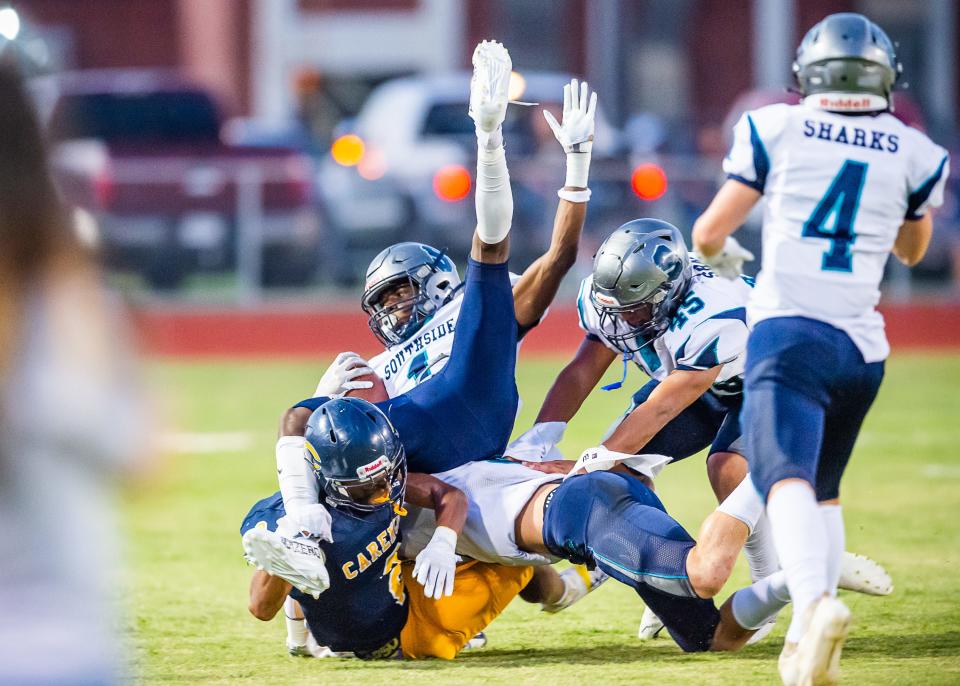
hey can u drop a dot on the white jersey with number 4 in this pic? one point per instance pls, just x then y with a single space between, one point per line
838 188
708 329
405 365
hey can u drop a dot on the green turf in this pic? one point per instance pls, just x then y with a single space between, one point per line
187 604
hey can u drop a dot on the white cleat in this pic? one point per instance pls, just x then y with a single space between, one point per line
815 660
489 85
477 642
861 574
578 581
762 632
650 625
299 561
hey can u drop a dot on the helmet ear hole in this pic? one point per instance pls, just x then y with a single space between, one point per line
333 436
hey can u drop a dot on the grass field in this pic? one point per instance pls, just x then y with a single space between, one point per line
187 604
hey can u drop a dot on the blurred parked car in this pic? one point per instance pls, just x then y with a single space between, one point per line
404 168
141 150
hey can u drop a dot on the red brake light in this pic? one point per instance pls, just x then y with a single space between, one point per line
649 181
452 183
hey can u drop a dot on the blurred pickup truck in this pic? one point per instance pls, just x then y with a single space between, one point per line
142 151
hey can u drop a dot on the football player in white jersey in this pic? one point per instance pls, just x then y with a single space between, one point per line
412 294
846 184
648 301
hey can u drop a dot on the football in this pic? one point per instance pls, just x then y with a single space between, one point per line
376 394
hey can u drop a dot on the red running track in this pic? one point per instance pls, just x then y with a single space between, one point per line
318 333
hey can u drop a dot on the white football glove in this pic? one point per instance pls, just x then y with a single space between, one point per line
602 458
340 375
576 132
728 263
488 87
538 444
436 564
313 521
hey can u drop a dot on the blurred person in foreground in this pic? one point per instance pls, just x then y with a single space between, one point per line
59 348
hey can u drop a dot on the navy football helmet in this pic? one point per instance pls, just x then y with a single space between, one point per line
357 455
641 274
433 282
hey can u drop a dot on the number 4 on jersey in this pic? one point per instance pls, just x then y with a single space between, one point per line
841 202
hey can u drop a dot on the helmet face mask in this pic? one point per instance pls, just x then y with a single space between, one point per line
395 320
371 493
432 280
640 275
357 456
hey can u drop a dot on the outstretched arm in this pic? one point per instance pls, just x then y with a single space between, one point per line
436 565
673 395
538 286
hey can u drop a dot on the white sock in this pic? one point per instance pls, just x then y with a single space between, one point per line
760 551
757 604
744 504
494 198
833 521
296 624
800 537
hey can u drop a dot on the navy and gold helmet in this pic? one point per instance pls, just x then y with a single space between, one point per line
357 455
432 281
640 276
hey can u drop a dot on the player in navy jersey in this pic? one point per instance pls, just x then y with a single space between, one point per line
846 185
352 589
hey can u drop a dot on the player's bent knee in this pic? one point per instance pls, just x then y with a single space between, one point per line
708 572
262 610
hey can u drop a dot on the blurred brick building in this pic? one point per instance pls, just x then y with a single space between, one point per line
685 59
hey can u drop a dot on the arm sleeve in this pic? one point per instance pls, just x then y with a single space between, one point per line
928 176
713 342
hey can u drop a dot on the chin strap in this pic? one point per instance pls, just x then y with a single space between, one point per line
618 384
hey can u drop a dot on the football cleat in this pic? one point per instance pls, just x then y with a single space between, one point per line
477 642
650 625
489 85
578 581
297 560
861 574
815 659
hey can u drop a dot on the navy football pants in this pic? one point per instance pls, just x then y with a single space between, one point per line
612 521
466 411
807 391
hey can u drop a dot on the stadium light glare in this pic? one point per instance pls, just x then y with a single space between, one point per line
348 150
452 183
9 23
649 181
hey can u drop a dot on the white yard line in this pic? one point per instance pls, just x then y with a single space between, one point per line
941 471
